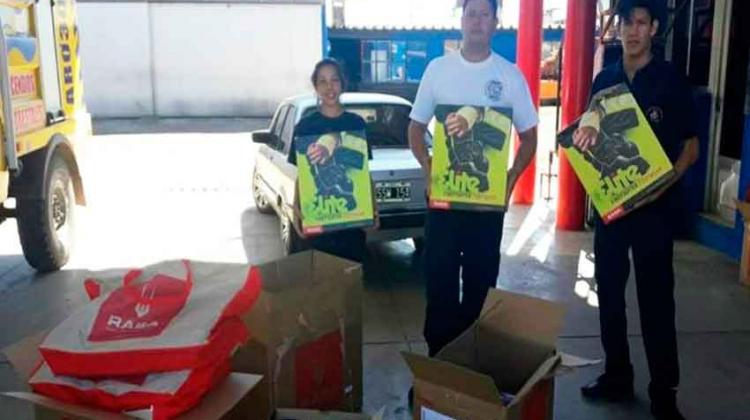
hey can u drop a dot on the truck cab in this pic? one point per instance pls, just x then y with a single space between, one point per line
42 119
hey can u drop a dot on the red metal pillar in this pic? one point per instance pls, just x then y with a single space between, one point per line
529 57
577 74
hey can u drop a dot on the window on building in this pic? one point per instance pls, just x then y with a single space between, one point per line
393 61
416 60
375 61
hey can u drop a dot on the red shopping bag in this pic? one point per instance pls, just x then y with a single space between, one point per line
164 318
141 311
167 395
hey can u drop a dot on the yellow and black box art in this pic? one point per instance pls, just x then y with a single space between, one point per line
335 191
627 163
469 172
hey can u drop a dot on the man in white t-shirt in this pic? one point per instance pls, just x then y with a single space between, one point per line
465 243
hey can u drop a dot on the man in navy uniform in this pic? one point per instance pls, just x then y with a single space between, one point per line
665 97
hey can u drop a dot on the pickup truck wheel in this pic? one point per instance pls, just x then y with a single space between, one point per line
261 202
45 226
290 240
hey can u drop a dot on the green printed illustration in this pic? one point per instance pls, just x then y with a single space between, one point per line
334 181
627 163
470 171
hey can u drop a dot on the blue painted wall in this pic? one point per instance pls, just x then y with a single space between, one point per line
504 43
745 168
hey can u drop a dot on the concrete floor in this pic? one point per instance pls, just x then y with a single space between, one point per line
156 196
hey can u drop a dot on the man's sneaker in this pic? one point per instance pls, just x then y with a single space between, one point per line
608 389
666 410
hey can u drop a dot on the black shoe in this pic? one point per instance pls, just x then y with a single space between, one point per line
666 410
608 389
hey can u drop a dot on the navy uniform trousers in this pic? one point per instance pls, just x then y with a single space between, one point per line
459 245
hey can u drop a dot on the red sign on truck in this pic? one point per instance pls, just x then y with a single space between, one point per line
22 85
28 117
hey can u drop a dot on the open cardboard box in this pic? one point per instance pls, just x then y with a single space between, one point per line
510 349
306 334
234 398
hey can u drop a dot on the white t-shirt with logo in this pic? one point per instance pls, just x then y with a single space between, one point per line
495 82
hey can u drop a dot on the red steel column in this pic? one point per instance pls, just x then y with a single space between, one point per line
528 58
577 74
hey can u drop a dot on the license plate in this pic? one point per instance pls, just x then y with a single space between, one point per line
393 192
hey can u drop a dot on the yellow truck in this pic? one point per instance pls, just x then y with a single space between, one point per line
42 118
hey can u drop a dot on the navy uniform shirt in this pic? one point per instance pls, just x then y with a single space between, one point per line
666 99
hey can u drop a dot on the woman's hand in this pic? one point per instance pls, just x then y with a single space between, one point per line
318 154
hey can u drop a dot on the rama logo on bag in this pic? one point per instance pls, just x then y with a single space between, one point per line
144 307
140 310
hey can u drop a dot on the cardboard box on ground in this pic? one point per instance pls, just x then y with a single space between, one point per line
306 332
306 342
509 352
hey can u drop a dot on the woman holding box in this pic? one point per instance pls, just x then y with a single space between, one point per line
327 124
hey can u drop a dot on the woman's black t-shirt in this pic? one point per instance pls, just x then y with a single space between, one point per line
349 243
318 124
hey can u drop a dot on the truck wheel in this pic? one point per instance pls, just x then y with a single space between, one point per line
261 202
290 240
45 225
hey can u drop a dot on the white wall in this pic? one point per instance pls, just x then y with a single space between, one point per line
232 59
116 58
218 59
